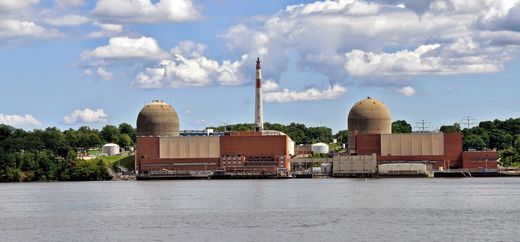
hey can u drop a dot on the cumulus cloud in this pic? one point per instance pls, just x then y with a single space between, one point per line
85 116
269 85
423 60
19 121
106 30
312 94
407 91
104 74
15 5
367 39
68 20
501 15
146 11
127 48
11 28
390 41
189 67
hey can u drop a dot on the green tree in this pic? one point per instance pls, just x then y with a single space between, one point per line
342 136
401 126
473 141
5 131
507 156
517 143
126 128
450 128
319 134
124 140
72 137
500 139
11 174
110 133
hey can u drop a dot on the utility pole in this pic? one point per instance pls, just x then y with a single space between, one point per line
422 126
468 121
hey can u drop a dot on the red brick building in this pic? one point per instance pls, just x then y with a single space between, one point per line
441 150
253 153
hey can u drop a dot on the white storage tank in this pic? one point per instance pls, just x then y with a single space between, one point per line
111 149
290 146
320 148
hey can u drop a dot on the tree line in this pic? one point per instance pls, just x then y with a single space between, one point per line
51 154
504 136
299 133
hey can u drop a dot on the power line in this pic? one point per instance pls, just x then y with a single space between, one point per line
422 126
468 121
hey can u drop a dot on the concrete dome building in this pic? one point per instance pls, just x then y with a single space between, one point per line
368 116
158 119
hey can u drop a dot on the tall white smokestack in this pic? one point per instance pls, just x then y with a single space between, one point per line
259 115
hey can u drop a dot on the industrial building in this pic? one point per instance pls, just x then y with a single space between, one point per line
369 129
162 151
368 116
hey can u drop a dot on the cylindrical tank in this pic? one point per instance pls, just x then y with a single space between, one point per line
111 149
368 116
290 146
158 119
320 148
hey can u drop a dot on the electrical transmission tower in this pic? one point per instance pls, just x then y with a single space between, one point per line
422 126
468 121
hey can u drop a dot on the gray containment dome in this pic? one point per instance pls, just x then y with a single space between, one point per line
368 116
158 119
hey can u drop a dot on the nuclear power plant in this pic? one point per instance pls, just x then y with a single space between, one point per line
368 116
163 151
374 150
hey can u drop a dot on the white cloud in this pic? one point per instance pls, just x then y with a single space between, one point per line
85 116
146 11
501 15
127 48
426 59
407 91
362 38
26 120
189 67
68 20
106 30
116 28
104 74
269 85
189 49
15 5
11 28
312 94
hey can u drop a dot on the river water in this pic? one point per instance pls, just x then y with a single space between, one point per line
422 209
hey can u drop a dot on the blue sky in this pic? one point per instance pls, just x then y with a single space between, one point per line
68 63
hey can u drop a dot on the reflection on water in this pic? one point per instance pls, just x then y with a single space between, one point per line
264 210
